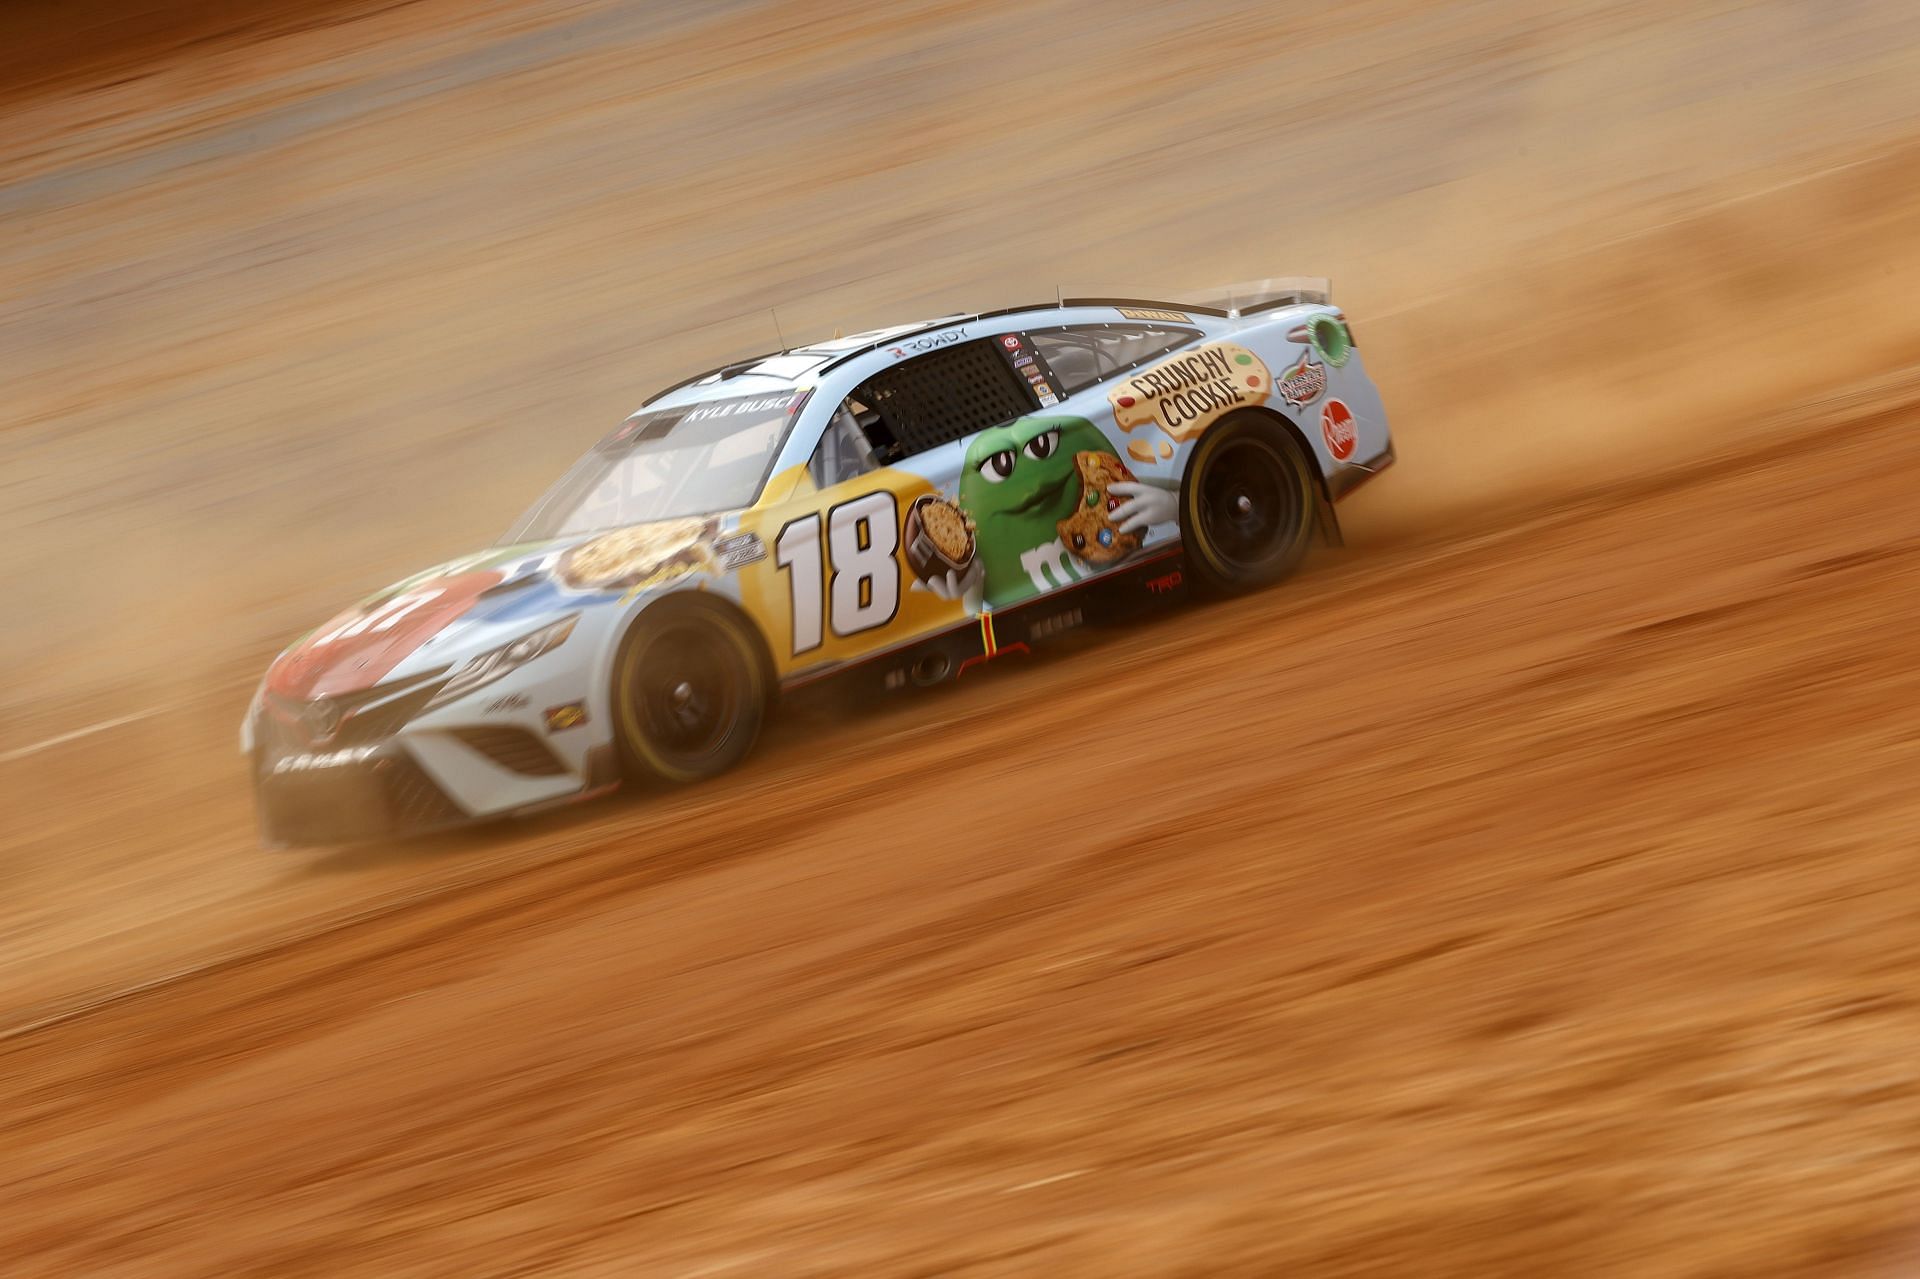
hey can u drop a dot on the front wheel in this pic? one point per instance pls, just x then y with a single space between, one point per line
689 693
1247 504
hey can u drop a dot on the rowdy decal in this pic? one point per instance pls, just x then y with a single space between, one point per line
1184 395
1336 428
919 346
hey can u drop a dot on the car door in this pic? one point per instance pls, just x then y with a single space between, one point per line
869 548
1071 479
1002 445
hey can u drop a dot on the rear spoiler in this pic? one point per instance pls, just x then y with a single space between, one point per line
1231 300
1250 296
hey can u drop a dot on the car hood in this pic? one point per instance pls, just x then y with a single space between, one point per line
413 622
453 610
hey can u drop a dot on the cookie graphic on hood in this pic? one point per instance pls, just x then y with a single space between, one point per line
639 557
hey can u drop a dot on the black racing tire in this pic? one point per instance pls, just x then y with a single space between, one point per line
690 691
1248 504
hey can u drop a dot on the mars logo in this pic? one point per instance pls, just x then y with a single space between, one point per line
1336 428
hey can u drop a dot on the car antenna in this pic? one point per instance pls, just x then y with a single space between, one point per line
774 311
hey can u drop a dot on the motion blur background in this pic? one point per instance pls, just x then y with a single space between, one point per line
1530 886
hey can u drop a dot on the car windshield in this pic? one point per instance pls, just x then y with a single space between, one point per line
694 459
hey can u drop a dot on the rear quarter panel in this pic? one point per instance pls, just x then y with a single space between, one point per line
1320 384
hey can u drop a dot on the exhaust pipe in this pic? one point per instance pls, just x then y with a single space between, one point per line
931 669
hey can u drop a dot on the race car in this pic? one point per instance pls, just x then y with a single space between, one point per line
903 505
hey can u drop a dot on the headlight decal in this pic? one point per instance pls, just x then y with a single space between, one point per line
496 663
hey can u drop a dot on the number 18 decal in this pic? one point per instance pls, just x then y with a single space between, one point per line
863 590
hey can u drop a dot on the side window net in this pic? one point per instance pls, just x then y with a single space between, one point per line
843 452
935 399
1088 353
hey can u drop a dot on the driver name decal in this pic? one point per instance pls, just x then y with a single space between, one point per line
734 408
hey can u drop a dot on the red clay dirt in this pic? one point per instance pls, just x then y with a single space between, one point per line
1528 888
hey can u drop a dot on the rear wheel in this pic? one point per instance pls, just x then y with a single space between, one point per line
689 693
1247 504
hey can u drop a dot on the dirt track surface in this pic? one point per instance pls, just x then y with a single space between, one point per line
1528 888
1577 946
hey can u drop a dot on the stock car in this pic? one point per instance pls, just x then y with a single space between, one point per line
905 504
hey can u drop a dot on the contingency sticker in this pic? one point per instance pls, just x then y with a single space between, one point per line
1304 383
739 550
1336 428
1328 337
1021 354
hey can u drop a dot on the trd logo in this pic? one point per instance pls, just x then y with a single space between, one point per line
1168 582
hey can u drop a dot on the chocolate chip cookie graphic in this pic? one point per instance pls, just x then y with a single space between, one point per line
1088 532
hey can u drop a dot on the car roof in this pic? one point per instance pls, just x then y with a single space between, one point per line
712 386
837 345
776 370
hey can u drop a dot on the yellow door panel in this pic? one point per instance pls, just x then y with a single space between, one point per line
835 585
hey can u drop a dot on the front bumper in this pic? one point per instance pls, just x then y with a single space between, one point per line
421 779
350 795
396 759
